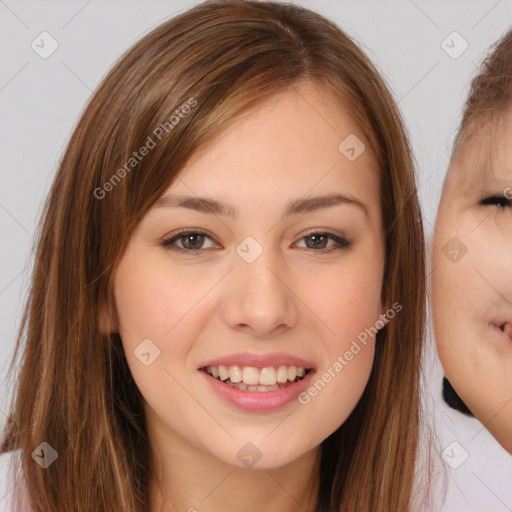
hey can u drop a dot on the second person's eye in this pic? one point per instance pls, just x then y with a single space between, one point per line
500 201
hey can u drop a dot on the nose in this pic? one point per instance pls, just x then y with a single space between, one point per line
259 298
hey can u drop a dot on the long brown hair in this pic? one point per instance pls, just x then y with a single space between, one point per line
74 389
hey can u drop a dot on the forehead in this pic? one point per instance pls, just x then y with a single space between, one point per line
290 143
484 155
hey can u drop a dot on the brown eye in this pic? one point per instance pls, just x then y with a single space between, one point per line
317 241
190 241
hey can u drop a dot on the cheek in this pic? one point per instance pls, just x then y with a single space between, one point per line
452 289
154 305
470 272
350 298
153 298
338 386
349 304
463 291
158 319
347 307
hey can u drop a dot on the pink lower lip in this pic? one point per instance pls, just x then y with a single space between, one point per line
258 401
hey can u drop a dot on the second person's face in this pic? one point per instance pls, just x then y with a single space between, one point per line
472 277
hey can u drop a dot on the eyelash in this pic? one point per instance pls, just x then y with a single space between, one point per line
342 243
501 201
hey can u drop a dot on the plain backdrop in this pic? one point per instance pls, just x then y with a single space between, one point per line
41 100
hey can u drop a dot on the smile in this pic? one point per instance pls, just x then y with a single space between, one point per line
253 379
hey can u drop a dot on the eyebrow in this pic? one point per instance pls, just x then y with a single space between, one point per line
296 207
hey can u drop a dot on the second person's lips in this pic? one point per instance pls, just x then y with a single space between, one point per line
507 328
504 326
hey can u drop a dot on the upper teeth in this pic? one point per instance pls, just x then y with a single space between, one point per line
253 376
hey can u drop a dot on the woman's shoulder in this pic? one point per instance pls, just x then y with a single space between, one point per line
10 487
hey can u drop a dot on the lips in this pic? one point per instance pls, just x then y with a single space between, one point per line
507 329
262 399
254 382
259 360
504 327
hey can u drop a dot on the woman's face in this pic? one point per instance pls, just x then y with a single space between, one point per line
472 278
261 294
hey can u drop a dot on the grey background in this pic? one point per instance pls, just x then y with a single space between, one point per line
42 99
